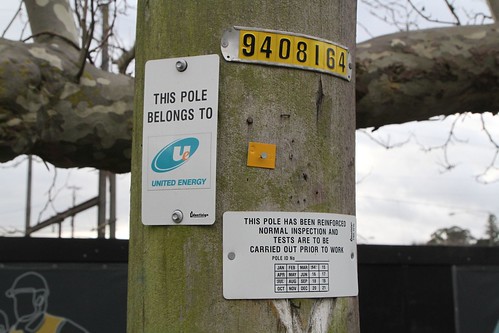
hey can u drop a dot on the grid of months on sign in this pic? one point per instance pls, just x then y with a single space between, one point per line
301 277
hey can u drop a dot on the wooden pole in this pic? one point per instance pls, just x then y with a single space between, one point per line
27 218
175 272
101 208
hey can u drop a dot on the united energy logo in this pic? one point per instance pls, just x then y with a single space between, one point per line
174 155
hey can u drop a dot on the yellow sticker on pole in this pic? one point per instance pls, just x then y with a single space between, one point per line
279 48
261 155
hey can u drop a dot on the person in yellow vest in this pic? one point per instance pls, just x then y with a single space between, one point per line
30 295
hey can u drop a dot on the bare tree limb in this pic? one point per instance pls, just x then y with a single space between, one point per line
393 12
386 142
51 18
489 136
13 19
484 177
399 78
87 37
421 12
124 61
452 10
45 113
420 74
451 138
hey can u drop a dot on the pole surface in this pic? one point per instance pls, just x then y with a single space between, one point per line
175 272
27 218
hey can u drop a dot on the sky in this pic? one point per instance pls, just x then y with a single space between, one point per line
404 193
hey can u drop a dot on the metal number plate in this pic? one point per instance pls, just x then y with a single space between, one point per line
278 48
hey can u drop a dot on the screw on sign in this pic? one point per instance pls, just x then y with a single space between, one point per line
177 216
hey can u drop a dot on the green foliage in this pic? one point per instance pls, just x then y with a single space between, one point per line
458 236
491 231
451 236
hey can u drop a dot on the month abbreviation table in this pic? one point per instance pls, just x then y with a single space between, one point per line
301 277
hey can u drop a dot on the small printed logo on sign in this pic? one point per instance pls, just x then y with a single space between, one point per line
174 155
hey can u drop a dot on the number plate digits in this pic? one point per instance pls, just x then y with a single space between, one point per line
279 48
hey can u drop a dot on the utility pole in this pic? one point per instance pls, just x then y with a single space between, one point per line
27 218
175 272
106 175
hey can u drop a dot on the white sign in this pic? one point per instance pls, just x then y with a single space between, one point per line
179 143
270 255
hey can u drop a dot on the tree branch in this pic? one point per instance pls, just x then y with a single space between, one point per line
452 10
430 19
45 113
13 19
420 74
88 35
52 18
125 59
399 78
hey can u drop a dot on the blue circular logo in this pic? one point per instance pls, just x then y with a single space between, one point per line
174 154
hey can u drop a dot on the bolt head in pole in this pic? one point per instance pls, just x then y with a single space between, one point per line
177 216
